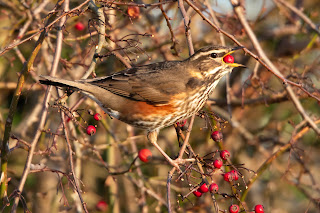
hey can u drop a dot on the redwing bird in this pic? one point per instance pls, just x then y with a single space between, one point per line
156 95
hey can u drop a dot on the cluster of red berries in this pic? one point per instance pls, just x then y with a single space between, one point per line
233 175
145 155
228 176
213 188
224 154
91 130
234 208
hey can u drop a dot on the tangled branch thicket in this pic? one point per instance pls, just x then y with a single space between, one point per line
268 113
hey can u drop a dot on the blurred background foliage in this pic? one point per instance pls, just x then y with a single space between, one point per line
258 121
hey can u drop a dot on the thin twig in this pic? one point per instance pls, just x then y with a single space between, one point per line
101 38
140 182
136 4
47 95
298 12
186 141
76 183
26 68
170 175
173 38
240 13
274 156
191 52
277 74
45 29
186 21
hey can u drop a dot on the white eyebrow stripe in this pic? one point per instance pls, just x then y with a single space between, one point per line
208 53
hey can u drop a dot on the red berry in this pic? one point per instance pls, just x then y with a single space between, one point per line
97 117
197 193
133 11
228 177
203 188
259 208
235 175
91 130
217 163
228 59
145 155
224 154
102 206
213 188
234 208
79 26
216 136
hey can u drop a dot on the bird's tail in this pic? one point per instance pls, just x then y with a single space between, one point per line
106 99
96 93
48 80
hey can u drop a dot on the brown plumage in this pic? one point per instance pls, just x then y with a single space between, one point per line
156 95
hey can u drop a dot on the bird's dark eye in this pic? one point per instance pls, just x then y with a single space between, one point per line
213 55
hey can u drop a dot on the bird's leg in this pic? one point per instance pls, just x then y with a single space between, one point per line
152 137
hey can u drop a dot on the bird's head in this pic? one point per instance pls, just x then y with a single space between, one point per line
214 61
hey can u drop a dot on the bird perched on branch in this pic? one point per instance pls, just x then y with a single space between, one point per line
157 95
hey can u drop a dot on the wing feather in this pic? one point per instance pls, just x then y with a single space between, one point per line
146 83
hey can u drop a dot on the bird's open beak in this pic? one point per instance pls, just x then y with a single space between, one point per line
229 53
